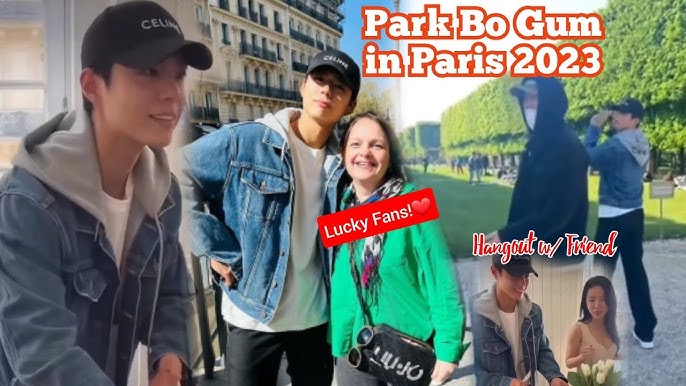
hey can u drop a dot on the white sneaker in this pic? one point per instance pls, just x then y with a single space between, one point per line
647 345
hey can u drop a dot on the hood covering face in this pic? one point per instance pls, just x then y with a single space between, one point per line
552 104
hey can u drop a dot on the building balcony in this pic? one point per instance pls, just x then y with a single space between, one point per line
264 21
253 17
304 8
300 67
243 12
205 114
258 52
301 37
328 47
278 27
320 46
224 4
260 90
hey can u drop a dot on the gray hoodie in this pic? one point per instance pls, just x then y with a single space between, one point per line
61 153
637 144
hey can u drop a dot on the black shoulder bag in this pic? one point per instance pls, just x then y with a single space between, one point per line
386 353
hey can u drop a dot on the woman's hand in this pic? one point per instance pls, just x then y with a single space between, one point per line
442 372
224 271
587 353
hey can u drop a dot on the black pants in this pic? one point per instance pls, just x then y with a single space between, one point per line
629 245
254 357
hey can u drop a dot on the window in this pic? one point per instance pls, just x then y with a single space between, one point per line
243 38
225 34
257 77
281 82
328 41
251 5
265 45
191 99
300 27
254 40
208 100
308 31
246 74
302 58
319 37
23 85
278 50
262 10
276 17
293 56
267 79
198 13
295 85
290 23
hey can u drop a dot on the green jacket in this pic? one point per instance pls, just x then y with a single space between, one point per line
418 293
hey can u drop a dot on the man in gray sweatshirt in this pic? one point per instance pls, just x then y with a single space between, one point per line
621 162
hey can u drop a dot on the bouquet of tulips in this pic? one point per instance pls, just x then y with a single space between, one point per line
600 374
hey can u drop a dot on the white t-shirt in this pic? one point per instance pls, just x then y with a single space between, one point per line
303 302
607 211
513 335
116 218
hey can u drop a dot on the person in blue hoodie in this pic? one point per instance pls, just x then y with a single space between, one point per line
621 162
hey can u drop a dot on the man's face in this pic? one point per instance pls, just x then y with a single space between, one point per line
513 287
623 121
142 106
530 101
326 98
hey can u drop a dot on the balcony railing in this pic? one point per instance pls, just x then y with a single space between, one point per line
328 47
301 6
264 21
301 37
278 27
243 12
260 90
300 67
224 4
226 42
205 113
320 45
258 52
253 17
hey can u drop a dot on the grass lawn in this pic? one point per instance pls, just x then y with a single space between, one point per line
466 209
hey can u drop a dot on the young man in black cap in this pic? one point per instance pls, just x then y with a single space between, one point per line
266 182
621 162
509 341
107 271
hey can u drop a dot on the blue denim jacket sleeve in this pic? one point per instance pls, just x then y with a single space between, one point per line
172 332
38 332
601 156
205 172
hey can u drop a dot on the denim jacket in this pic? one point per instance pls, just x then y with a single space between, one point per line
621 162
493 359
59 283
244 173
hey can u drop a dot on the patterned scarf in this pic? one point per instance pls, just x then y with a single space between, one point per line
371 255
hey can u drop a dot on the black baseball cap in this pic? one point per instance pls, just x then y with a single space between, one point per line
139 34
628 105
517 266
341 62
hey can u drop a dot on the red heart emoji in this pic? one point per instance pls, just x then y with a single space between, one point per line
421 207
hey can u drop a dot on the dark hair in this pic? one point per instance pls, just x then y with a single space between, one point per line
105 71
610 300
395 167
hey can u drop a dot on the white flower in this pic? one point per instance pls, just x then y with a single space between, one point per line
600 363
585 369
609 362
594 368
600 378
